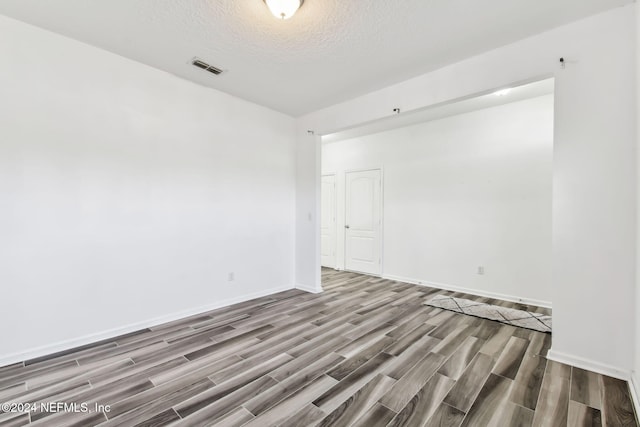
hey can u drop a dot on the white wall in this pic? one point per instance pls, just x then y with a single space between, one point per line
308 213
461 192
594 184
636 366
127 195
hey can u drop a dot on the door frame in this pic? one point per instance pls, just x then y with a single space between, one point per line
335 216
344 216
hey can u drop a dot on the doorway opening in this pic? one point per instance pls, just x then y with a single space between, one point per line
455 196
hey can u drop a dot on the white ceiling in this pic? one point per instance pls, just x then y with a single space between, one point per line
331 51
452 108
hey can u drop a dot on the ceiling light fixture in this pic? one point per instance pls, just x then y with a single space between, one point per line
502 92
283 9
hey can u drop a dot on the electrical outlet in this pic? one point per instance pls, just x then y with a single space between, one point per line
481 270
231 277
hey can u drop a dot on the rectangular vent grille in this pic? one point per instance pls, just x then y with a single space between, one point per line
210 68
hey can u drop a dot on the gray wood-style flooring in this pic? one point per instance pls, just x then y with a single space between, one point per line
366 352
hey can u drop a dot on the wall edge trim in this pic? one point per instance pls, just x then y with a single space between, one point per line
307 288
477 292
590 365
89 339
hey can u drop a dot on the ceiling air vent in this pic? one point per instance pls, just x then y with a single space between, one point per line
210 68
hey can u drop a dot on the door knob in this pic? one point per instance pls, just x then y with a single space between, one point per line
346 226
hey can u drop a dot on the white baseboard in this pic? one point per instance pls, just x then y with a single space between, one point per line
306 288
477 292
590 365
633 390
133 327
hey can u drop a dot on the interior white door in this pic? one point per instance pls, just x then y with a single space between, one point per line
328 221
363 222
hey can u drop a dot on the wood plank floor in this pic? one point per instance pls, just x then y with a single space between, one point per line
366 352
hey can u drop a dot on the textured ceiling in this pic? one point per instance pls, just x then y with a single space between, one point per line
330 51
